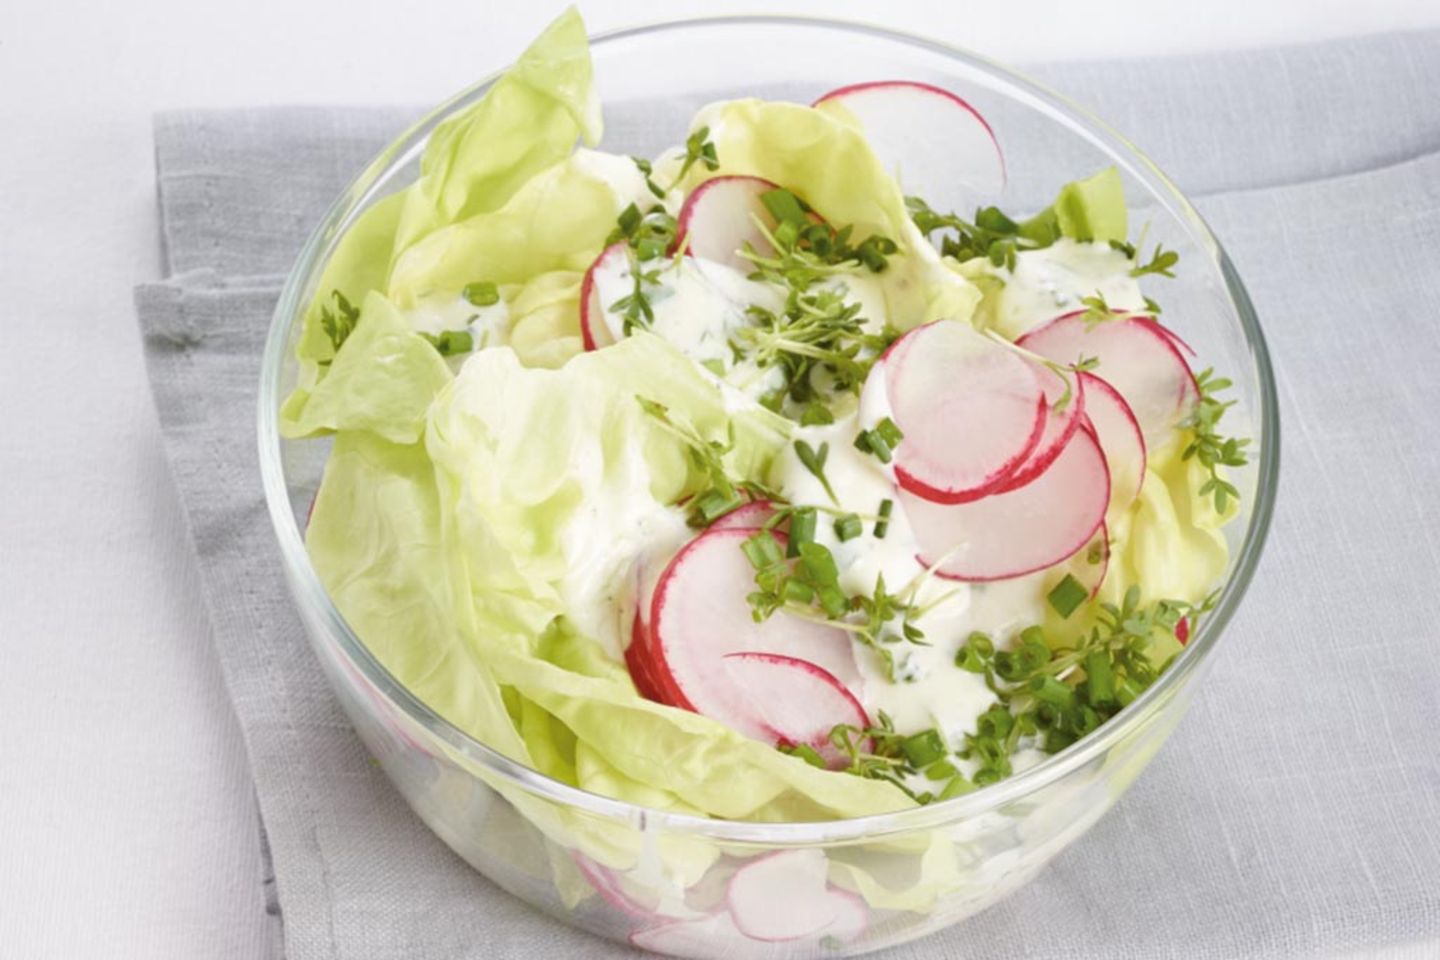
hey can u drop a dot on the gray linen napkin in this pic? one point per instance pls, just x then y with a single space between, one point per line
1297 812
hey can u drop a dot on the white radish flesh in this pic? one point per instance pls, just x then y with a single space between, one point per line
1060 425
972 411
785 896
1020 531
1136 357
1120 438
929 138
795 701
595 328
700 614
719 218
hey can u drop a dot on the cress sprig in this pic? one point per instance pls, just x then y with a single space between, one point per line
1059 694
1207 444
720 492
816 328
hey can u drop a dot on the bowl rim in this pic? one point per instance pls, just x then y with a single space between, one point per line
307 589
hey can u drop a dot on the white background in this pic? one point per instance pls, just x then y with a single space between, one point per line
127 821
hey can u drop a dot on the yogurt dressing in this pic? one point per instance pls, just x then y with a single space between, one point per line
1055 279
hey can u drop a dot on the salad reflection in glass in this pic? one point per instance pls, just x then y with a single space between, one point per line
739 481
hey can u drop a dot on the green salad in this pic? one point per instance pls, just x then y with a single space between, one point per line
740 481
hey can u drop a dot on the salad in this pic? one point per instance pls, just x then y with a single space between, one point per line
739 481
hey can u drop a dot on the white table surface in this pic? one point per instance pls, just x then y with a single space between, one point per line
127 821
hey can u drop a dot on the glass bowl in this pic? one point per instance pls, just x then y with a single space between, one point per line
657 878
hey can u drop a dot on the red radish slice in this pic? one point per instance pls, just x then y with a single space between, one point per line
718 220
1020 531
1059 427
1119 436
1182 631
1136 357
751 516
971 409
928 137
700 615
796 701
640 664
785 896
1175 338
595 329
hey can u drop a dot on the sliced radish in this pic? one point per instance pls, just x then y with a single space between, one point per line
751 516
1136 356
972 411
607 883
928 137
1175 338
1120 438
700 615
718 220
1059 426
1182 630
595 328
785 896
1020 531
640 663
795 701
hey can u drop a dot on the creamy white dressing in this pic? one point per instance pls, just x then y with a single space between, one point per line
488 326
1055 279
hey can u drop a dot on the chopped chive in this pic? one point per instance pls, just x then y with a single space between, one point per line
1099 678
1052 691
802 530
889 432
883 524
450 343
762 550
848 527
482 293
1067 596
783 205
924 748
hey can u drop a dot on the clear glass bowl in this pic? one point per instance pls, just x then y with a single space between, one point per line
657 878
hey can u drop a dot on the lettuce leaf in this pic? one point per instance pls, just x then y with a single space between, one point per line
557 220
828 163
382 381
474 163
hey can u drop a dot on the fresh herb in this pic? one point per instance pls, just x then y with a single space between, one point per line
882 525
1097 311
1055 695
1067 595
451 343
878 752
1161 261
816 414
649 236
481 293
816 329
880 441
1207 445
848 527
339 323
698 149
635 307
647 170
814 461
719 492
992 234
803 581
